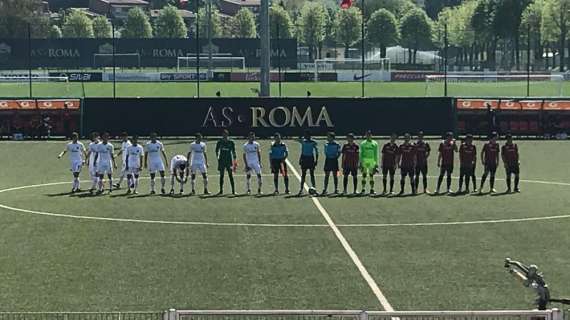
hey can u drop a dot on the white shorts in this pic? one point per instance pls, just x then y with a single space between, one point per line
76 166
254 167
104 168
134 170
198 167
155 167
124 168
92 171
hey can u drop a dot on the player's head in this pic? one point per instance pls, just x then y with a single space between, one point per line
331 136
198 137
307 135
225 134
124 136
251 136
509 138
94 136
407 137
183 165
277 137
393 137
449 136
135 139
369 135
469 139
493 136
74 136
105 137
350 137
153 136
420 136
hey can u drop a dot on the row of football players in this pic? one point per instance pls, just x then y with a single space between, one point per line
411 158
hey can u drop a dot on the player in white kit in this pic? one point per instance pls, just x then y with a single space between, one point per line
178 172
134 161
198 162
125 143
105 162
154 153
252 162
91 153
77 156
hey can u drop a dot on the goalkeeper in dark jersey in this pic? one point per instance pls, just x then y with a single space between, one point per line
226 154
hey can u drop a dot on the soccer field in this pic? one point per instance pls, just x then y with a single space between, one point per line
63 252
297 89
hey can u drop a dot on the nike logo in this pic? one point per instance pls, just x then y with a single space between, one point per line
356 78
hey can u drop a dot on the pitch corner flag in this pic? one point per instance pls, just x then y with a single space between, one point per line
345 4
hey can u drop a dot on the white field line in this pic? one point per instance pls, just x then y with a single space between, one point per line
353 256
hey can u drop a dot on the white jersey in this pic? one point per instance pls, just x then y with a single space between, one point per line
105 152
154 150
75 151
251 150
197 153
177 162
134 154
124 146
93 151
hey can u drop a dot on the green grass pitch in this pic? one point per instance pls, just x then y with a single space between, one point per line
298 89
66 263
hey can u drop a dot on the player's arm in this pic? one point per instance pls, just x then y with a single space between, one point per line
439 157
145 159
246 166
428 151
483 156
218 146
205 156
376 150
259 155
503 157
61 154
84 152
316 151
497 155
127 162
119 153
113 159
165 157
233 152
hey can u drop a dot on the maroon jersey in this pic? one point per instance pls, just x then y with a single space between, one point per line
407 152
510 154
491 151
467 155
389 153
422 150
447 150
350 156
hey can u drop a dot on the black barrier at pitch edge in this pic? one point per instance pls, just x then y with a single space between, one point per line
265 116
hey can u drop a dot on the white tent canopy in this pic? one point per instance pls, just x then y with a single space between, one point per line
399 54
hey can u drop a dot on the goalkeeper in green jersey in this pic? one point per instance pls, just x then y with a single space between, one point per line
368 161
226 154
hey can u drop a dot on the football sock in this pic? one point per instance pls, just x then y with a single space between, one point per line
152 183
248 182
384 182
448 181
326 186
162 181
172 182
355 182
222 180
335 181
467 178
206 182
391 183
286 179
509 181
110 183
345 183
474 181
402 184
517 178
372 182
136 182
231 176
461 182
193 182
276 181
363 182
439 181
492 181
313 180
259 182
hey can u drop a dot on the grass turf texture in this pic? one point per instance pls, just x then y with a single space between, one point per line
299 89
52 263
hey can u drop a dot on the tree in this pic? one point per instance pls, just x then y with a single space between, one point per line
203 23
102 28
54 32
483 24
137 25
77 25
311 26
159 4
416 31
16 15
383 30
531 25
459 31
434 7
348 27
243 24
556 24
278 16
397 7
169 24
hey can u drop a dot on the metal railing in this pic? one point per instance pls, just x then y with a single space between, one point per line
144 315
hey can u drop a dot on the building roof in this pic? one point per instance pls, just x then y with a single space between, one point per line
244 2
184 13
126 2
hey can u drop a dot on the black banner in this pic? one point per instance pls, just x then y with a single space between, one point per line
76 53
79 76
185 76
265 116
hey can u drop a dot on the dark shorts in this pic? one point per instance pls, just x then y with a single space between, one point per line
278 166
491 168
407 171
386 170
466 171
513 169
353 171
224 165
331 165
446 169
423 169
307 163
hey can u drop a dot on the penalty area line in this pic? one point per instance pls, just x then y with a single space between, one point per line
347 247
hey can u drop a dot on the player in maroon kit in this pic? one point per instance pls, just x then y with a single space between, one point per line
389 164
490 160
467 160
350 162
445 159
407 161
510 154
422 154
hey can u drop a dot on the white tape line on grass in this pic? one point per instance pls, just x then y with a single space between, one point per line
353 256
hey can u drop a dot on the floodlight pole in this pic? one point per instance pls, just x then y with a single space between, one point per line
362 48
210 63
528 61
114 64
30 60
446 45
265 89
197 6
278 54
